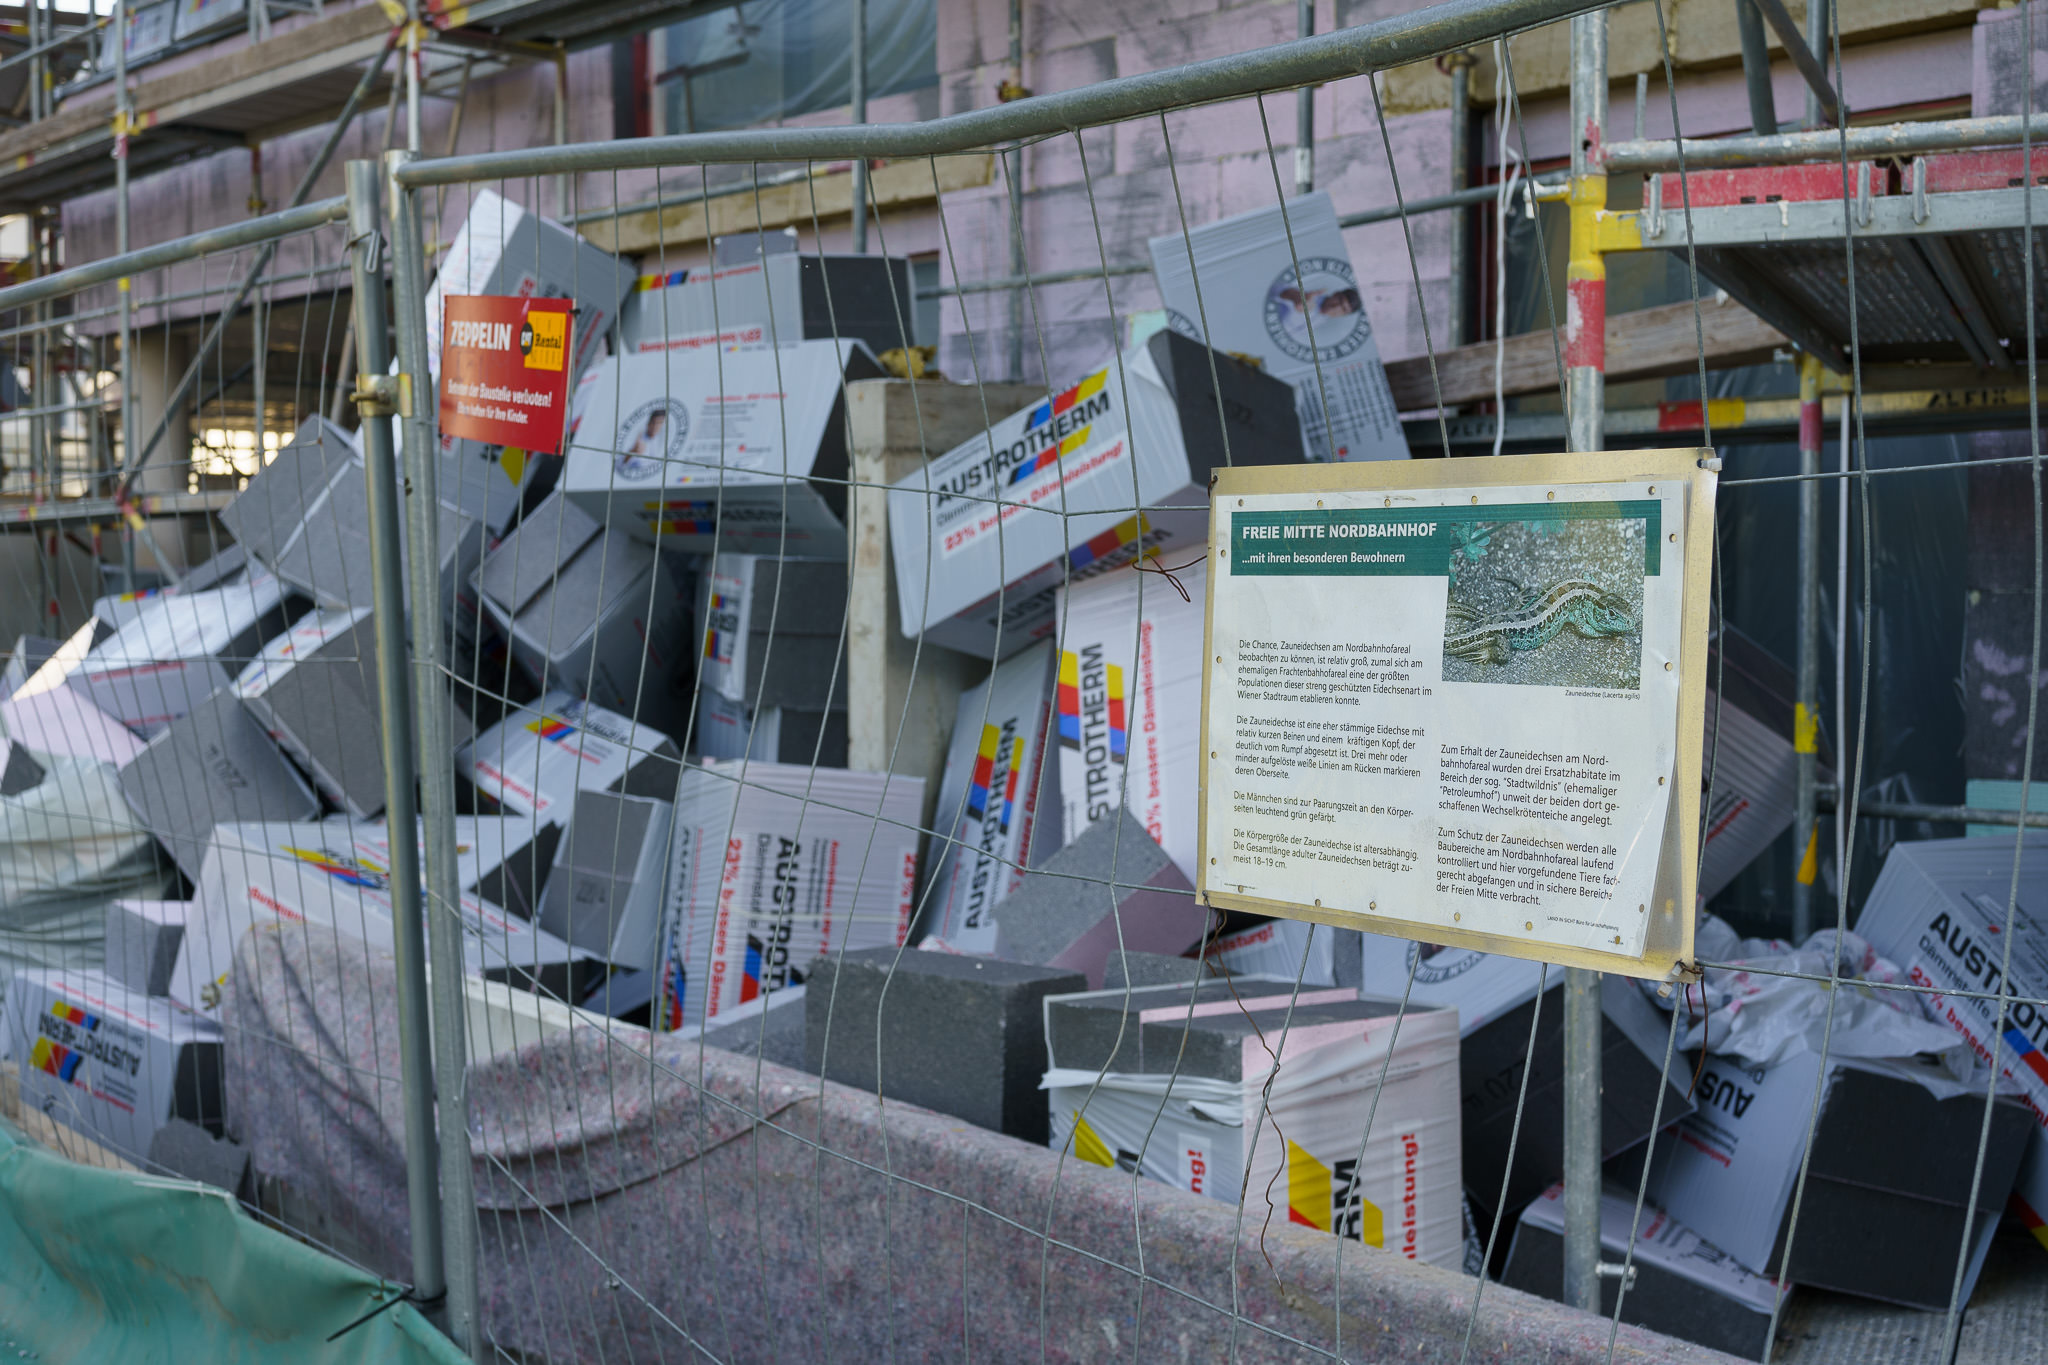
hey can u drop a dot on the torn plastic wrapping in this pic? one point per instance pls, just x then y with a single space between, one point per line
1748 1010
68 845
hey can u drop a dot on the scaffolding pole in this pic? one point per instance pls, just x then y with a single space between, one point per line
1586 360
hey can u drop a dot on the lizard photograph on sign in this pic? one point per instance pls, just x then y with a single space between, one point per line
1461 701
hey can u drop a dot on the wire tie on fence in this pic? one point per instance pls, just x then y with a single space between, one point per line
401 1296
1168 574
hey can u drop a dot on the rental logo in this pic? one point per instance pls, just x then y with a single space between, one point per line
344 869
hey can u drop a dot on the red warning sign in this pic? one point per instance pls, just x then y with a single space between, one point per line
505 369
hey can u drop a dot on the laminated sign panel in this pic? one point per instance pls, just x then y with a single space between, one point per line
1460 701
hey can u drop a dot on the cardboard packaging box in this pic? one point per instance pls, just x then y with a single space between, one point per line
213 764
109 1062
178 652
737 448
1938 911
536 759
313 690
588 609
1110 890
1277 283
604 894
501 248
772 632
1130 704
1404 1196
772 866
142 942
779 300
1494 997
985 534
1891 1168
962 1035
1685 1287
775 734
990 801
336 876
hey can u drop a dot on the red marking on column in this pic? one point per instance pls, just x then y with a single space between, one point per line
1585 333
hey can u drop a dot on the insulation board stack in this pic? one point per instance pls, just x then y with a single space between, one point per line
314 692
176 653
212 764
739 448
1493 997
1130 704
990 801
1277 283
503 249
586 608
1074 487
771 667
110 1062
1939 911
770 867
334 874
1185 1105
781 299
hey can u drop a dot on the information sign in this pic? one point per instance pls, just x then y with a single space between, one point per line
505 369
1461 701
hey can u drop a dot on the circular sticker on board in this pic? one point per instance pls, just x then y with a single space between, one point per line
651 433
1319 295
1177 321
1433 964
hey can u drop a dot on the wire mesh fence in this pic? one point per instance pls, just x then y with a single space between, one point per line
797 759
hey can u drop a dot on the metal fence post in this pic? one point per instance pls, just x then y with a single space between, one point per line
437 774
1806 709
1586 357
388 596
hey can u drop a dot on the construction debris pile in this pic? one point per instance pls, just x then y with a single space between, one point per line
648 677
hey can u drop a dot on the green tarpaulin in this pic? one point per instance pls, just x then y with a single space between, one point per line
110 1265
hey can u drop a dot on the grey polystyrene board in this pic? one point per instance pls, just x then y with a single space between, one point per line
214 764
525 563
957 1034
604 893
329 559
21 772
774 734
1113 862
142 941
1213 1045
215 572
789 596
265 514
327 715
1086 1029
